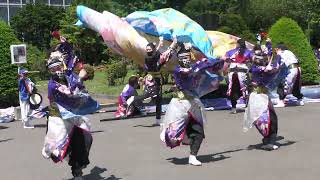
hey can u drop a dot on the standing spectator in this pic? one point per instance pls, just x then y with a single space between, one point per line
25 89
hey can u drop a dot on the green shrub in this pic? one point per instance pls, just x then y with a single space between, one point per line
137 69
288 31
116 71
8 75
90 71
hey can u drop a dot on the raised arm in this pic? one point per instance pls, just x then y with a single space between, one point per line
165 56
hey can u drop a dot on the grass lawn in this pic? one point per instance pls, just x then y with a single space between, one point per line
98 85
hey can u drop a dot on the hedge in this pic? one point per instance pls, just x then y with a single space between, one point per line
8 72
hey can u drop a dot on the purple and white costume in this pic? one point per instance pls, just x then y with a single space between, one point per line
260 111
185 113
237 74
68 130
292 82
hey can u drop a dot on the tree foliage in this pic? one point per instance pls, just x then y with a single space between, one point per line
8 75
288 31
33 24
234 24
37 62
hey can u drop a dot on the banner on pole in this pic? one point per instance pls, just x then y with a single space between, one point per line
18 54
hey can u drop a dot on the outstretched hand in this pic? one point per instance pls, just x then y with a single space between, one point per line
175 39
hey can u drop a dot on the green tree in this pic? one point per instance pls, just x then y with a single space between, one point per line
33 24
263 13
37 62
88 45
125 7
235 25
313 12
288 31
8 75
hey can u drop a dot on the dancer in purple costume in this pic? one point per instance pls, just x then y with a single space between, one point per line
68 132
127 97
185 113
238 72
260 111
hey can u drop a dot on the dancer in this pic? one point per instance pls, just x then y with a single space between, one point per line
127 102
185 113
238 72
292 82
25 86
64 50
260 111
152 65
68 131
269 50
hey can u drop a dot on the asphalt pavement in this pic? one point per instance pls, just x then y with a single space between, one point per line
131 150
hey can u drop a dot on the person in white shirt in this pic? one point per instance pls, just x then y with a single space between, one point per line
292 82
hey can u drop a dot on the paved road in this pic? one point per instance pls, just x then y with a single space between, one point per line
131 150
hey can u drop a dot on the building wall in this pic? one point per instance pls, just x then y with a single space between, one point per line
9 8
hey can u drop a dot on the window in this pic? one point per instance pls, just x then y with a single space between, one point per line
4 13
3 1
15 1
27 1
41 1
67 2
13 10
56 2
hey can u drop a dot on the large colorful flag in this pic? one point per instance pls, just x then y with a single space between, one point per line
169 23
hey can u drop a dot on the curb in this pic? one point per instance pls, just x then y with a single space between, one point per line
108 105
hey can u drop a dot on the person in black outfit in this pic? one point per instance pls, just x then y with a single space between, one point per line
152 65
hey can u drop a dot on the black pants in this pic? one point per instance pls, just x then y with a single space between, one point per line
235 90
159 97
272 136
78 150
296 90
195 134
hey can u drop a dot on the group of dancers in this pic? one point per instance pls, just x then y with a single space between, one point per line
68 130
185 112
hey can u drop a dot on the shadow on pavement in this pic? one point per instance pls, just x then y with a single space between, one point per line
98 131
5 140
279 138
40 125
3 127
148 126
130 117
204 158
95 174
